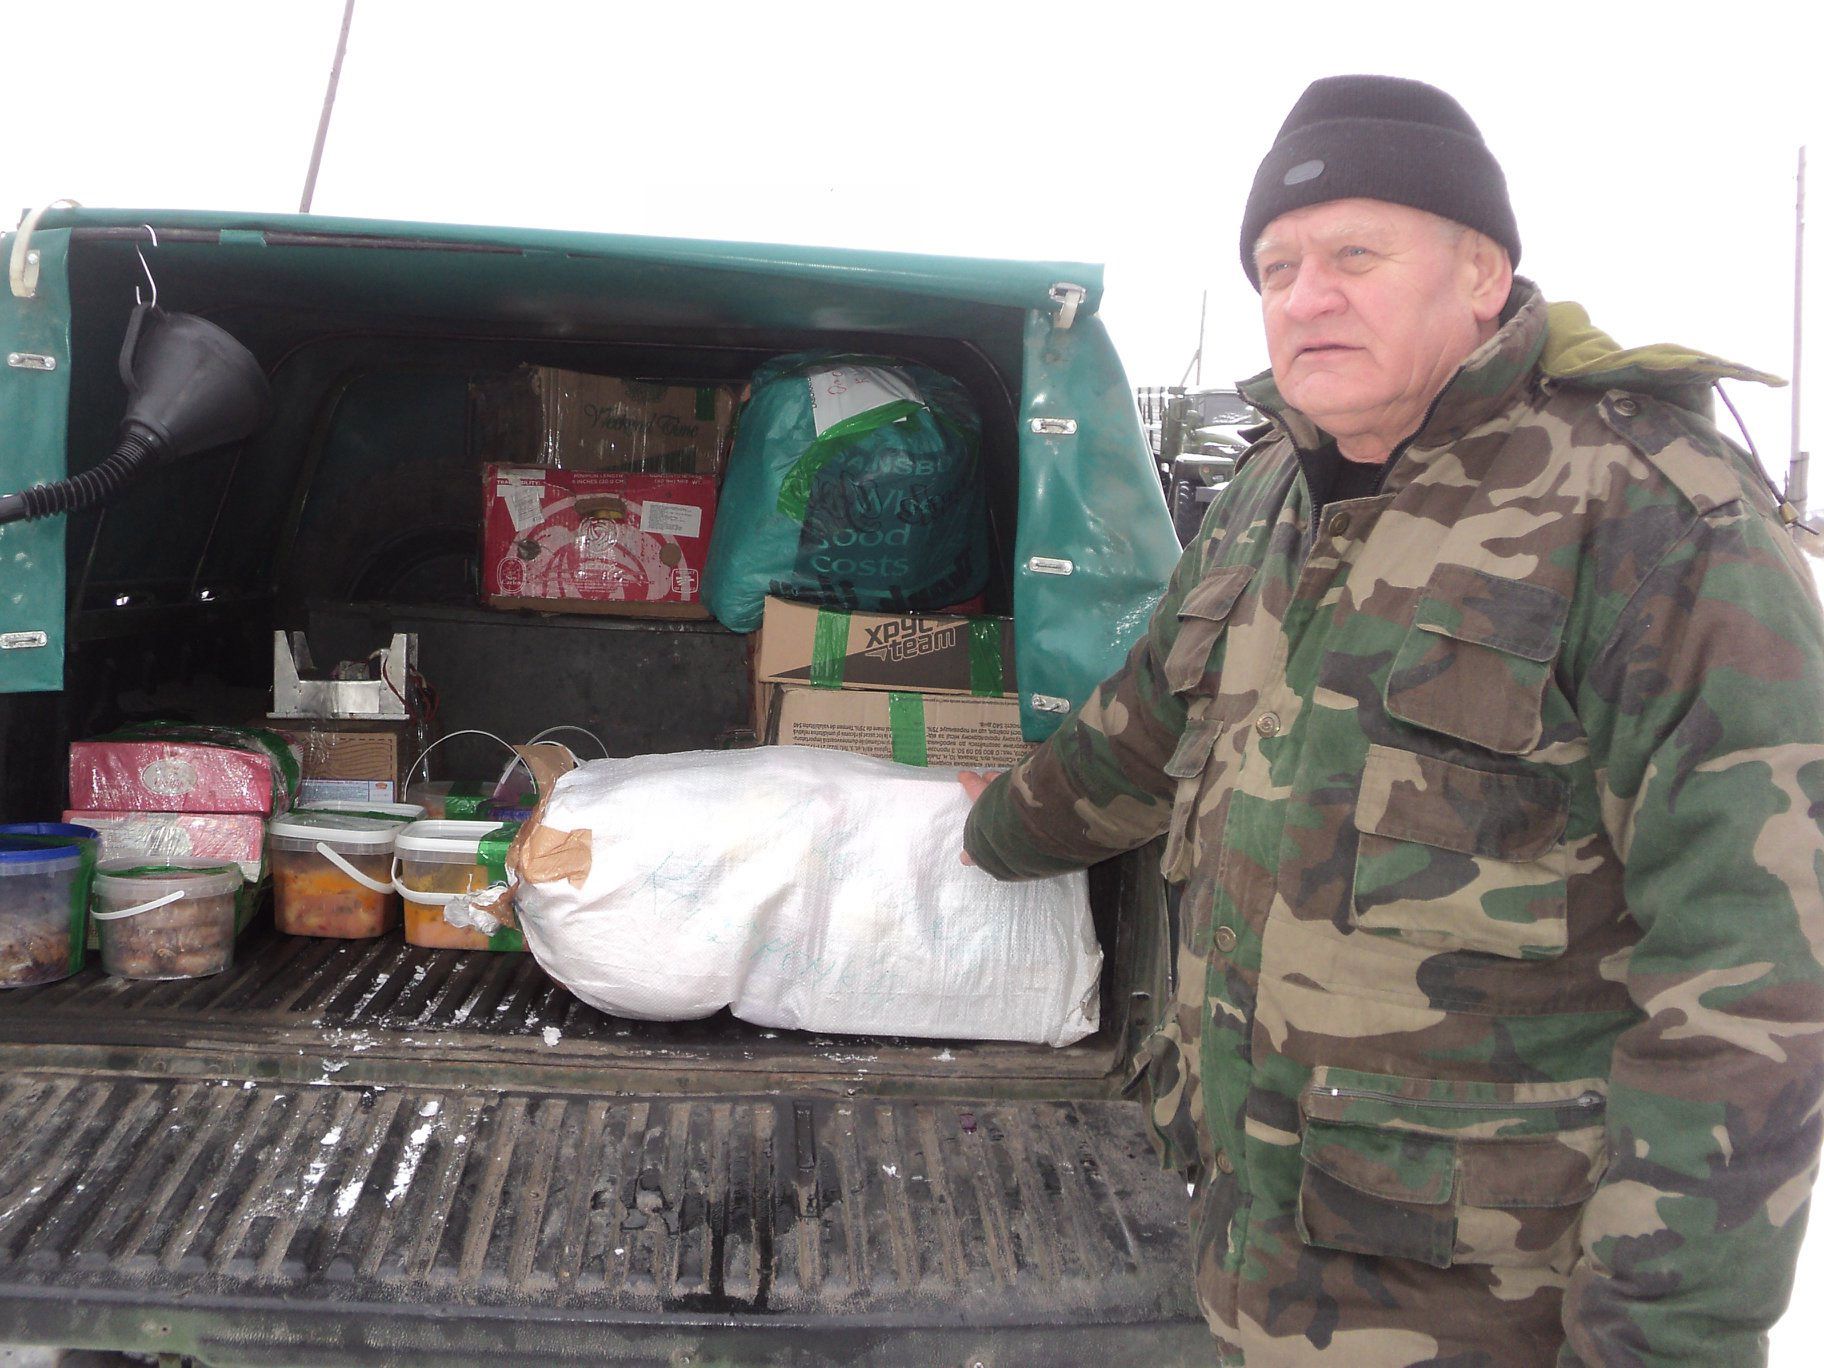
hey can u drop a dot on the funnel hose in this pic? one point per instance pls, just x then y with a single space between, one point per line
82 490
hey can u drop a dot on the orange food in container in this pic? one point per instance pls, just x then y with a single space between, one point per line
439 862
332 874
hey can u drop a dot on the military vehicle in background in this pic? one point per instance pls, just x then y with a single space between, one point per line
1196 439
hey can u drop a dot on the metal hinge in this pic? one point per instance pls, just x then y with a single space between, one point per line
1067 297
23 641
1050 703
22 264
1055 427
31 361
1050 565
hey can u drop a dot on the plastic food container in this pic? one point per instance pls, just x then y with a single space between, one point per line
166 921
42 906
437 863
462 799
332 874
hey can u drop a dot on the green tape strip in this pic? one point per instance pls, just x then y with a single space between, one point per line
465 802
985 657
906 721
166 870
347 812
491 855
795 489
829 648
491 851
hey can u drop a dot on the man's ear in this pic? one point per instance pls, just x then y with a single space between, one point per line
1491 275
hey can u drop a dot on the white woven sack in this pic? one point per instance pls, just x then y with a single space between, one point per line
806 889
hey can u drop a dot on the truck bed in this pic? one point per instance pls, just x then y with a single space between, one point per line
359 1152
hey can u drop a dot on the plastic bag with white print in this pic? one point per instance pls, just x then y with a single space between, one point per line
803 889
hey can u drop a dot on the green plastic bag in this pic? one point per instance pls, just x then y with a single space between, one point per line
854 483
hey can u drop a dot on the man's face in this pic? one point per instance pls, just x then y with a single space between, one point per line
1370 308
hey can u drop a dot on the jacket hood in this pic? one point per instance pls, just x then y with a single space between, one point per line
1577 352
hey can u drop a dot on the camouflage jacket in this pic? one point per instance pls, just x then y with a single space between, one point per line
1499 1017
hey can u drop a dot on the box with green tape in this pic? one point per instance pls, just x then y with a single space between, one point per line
801 643
913 728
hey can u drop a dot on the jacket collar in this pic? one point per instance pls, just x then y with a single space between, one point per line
1489 379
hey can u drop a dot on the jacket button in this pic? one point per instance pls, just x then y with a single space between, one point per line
1225 939
1267 724
1339 524
1627 407
1224 1164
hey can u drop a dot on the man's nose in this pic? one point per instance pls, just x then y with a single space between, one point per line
1313 293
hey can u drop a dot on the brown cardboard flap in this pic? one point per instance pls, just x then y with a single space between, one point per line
539 854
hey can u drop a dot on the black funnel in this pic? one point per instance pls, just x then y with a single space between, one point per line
190 386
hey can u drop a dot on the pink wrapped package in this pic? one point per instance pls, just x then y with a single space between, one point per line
159 836
169 767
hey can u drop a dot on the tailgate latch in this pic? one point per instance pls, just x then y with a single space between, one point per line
1067 297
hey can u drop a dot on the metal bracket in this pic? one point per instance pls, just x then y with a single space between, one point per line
295 696
31 361
23 641
1055 427
1050 703
1068 298
22 266
1051 565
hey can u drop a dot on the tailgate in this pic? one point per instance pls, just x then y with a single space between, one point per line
252 1222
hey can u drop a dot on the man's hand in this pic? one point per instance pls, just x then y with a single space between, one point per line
974 784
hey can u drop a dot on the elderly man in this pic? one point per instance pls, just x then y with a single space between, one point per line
1484 720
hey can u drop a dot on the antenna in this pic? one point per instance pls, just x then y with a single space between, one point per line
329 104
1798 473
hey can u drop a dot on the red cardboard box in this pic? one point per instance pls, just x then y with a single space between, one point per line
171 776
595 541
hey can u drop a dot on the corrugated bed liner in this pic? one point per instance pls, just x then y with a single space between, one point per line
293 1006
326 1223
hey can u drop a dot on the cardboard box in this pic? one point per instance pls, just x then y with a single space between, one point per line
159 836
355 761
922 652
173 776
577 541
567 420
913 728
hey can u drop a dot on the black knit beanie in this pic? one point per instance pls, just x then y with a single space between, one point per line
1384 138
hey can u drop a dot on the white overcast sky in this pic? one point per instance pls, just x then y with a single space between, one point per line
1650 148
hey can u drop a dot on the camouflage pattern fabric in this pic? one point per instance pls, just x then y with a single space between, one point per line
1498 1033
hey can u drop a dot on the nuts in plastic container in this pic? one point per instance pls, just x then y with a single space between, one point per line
166 921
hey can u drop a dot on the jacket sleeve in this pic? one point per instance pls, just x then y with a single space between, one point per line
1705 713
1097 786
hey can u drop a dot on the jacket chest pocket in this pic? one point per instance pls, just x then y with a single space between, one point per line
1477 660
1203 616
1461 859
1448 1173
1468 856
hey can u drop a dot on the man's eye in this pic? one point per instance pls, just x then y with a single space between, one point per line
1269 269
1355 256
